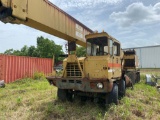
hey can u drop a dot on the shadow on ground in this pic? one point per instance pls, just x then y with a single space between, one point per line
77 109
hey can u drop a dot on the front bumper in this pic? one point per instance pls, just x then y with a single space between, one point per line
81 84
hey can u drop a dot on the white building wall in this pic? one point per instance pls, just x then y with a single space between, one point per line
139 56
149 57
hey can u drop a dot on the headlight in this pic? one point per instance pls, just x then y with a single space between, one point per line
99 85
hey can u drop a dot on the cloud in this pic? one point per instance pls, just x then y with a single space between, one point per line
137 13
82 3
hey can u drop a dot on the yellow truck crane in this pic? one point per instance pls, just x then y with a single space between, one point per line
103 73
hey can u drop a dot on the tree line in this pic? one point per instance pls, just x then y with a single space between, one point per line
45 49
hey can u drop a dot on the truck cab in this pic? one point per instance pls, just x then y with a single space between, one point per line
103 51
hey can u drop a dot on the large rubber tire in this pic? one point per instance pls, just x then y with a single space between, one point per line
69 96
122 89
62 94
138 77
84 98
132 76
113 95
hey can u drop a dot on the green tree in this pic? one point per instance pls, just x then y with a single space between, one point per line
80 51
24 51
9 52
17 52
47 48
13 52
33 51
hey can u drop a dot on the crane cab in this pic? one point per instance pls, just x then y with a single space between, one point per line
103 52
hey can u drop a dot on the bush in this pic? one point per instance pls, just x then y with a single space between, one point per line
38 75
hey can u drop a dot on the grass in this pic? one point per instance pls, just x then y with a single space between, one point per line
140 103
30 99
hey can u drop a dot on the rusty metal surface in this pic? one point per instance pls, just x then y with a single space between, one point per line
130 60
17 67
44 16
76 21
81 84
128 81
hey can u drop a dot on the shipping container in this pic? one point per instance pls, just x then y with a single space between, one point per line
17 67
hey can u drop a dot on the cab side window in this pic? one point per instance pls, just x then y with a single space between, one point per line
116 49
111 47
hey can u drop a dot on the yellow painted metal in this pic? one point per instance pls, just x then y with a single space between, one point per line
102 34
80 67
94 67
73 65
45 16
20 9
6 3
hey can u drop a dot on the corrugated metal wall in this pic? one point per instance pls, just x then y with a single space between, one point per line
17 67
149 57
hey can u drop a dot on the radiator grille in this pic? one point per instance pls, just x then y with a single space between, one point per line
73 70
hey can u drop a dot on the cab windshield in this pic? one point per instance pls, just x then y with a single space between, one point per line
97 46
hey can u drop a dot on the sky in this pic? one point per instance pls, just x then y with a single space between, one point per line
135 23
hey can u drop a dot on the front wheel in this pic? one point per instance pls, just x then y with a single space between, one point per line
113 95
64 94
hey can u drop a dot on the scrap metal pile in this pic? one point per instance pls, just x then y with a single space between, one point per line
2 84
153 81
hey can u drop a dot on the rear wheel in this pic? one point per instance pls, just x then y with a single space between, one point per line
132 76
138 77
113 95
121 89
